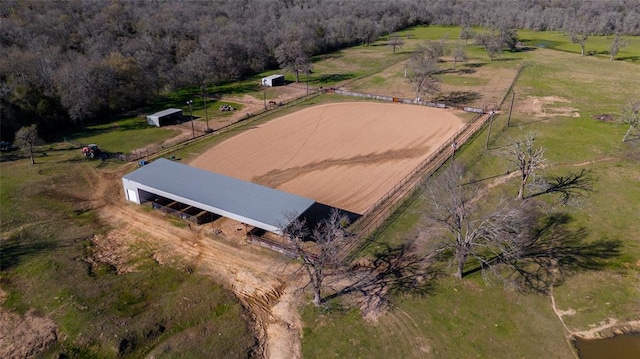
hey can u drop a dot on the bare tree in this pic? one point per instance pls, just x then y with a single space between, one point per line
423 67
527 158
579 34
325 255
292 57
396 42
631 117
458 54
466 34
491 42
27 137
470 230
509 38
617 44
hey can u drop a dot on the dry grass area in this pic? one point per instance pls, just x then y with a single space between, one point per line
347 155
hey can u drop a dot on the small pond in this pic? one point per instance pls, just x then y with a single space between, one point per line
619 347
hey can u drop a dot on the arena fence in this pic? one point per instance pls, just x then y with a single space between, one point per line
383 209
271 244
200 135
378 214
416 101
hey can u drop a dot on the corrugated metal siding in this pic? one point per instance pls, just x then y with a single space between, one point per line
167 112
250 203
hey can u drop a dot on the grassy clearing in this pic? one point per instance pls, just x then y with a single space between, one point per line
46 225
470 319
121 136
454 321
597 46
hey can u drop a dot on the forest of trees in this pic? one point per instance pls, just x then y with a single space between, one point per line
64 63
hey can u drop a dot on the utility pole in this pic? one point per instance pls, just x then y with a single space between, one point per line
513 95
193 130
206 113
491 114
264 93
454 145
307 81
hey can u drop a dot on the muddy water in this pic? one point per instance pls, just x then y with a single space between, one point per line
619 347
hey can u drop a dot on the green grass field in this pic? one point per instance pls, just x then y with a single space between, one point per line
47 221
470 318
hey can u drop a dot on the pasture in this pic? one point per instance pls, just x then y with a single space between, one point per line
50 216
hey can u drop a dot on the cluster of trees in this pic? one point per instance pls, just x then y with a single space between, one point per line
68 62
521 241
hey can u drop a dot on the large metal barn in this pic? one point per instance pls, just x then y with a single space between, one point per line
192 189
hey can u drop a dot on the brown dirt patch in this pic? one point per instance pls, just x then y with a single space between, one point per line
546 107
346 155
22 336
605 117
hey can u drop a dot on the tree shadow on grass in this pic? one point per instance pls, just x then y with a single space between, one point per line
331 78
393 270
475 65
458 97
553 251
570 186
15 250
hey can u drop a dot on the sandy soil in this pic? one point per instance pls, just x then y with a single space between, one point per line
346 155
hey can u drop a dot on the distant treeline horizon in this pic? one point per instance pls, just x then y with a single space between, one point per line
63 63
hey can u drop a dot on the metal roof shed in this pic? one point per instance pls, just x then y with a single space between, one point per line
165 117
263 207
273 80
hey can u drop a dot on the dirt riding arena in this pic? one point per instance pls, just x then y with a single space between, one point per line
346 155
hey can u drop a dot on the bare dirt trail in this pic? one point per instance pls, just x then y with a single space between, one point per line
262 281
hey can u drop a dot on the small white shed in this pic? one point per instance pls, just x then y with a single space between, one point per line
165 117
273 80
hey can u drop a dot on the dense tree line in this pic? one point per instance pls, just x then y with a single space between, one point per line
67 62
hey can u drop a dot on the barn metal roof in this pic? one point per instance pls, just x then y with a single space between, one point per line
263 207
167 112
272 77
